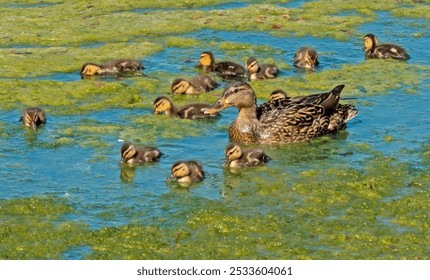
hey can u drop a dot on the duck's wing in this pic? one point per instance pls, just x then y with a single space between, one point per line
328 100
293 123
390 51
229 68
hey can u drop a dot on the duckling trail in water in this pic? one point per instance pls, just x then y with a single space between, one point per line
283 120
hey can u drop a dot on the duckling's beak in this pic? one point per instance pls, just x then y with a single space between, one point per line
33 125
218 106
199 64
171 178
155 112
226 163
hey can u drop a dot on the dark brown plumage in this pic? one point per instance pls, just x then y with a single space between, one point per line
117 66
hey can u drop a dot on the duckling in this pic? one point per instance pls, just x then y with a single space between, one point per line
162 104
224 69
280 121
187 172
278 94
198 84
306 57
373 50
256 71
238 157
33 117
118 66
132 154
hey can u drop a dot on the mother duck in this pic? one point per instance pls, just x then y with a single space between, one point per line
284 120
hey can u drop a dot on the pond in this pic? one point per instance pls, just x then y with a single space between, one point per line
360 194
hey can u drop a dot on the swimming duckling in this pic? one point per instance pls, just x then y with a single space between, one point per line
187 172
373 50
256 71
238 157
132 154
163 104
33 117
278 94
118 66
198 84
306 57
224 69
281 121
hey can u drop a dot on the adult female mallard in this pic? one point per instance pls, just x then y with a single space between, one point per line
373 50
33 117
282 121
236 156
162 104
225 69
306 57
113 67
256 71
187 172
196 85
132 154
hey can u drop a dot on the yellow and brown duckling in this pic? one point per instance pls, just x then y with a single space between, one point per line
373 50
256 71
224 69
280 121
162 104
113 67
278 94
33 117
306 57
132 154
236 156
196 85
186 172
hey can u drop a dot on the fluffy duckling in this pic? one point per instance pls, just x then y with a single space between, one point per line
306 57
33 117
235 156
278 94
187 172
132 154
224 69
198 84
256 71
373 50
280 121
118 66
162 104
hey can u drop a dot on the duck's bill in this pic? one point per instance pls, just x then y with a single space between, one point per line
170 179
218 106
155 112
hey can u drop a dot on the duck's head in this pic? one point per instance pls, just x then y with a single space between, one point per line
128 151
278 94
180 86
370 42
206 59
33 117
232 152
252 65
162 104
311 58
238 94
180 169
90 69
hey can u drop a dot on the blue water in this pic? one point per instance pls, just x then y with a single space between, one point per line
105 194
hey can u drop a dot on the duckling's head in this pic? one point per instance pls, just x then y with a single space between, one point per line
33 117
239 94
162 104
90 69
179 170
232 152
252 65
180 86
206 59
128 151
370 42
278 94
312 58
